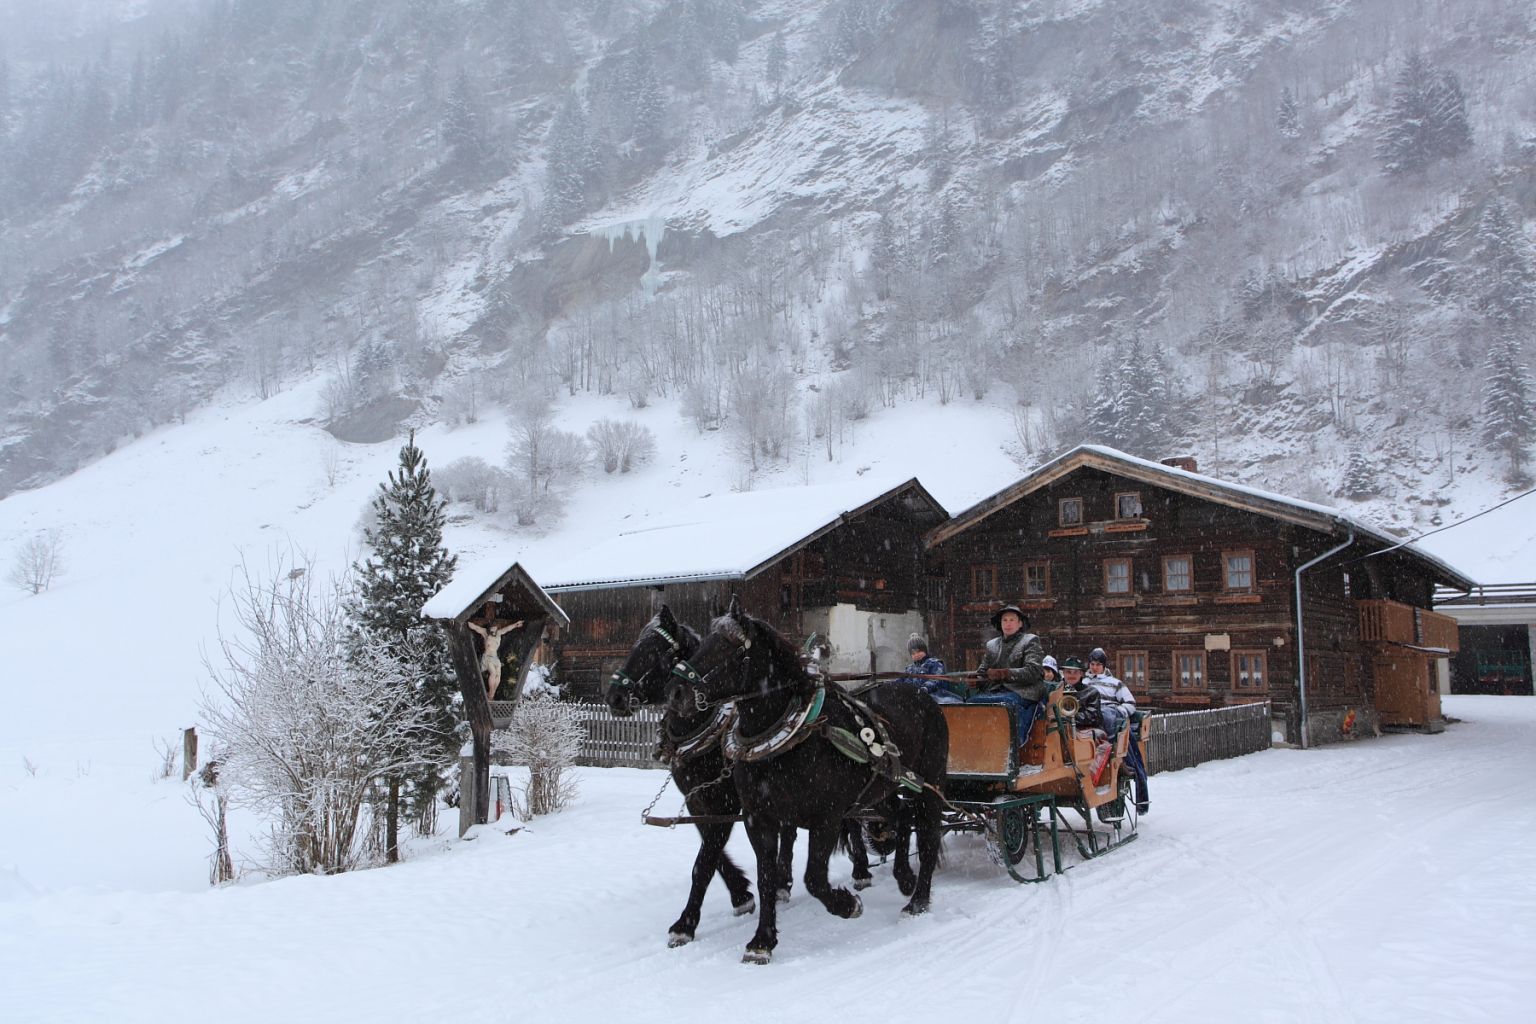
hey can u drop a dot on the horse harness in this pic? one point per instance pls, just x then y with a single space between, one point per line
803 718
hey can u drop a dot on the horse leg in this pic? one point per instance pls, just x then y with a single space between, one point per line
710 858
786 861
737 884
928 814
853 844
818 852
906 881
764 834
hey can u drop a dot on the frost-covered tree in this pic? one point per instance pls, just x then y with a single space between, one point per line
1288 115
1506 274
307 718
544 737
1450 133
1133 405
621 446
407 565
776 63
462 130
1359 477
1426 121
572 166
1509 405
37 561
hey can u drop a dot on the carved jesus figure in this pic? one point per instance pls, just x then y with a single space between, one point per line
490 658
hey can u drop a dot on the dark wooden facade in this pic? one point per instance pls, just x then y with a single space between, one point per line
870 558
1189 585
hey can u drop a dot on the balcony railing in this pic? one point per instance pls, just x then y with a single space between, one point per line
1392 622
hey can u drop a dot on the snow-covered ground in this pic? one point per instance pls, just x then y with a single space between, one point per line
1383 880
1388 879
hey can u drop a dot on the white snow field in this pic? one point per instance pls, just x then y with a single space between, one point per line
1382 880
1387 879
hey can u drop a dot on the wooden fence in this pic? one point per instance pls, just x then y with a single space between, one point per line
1184 739
1180 739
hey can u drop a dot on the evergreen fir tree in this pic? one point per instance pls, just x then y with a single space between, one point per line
461 125
1359 477
408 565
1403 146
1427 120
1509 406
777 63
1450 133
1506 274
1288 116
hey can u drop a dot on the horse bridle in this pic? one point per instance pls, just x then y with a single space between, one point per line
629 687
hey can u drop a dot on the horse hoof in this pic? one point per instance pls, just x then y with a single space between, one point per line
675 939
784 895
743 909
907 884
863 883
913 908
757 956
858 908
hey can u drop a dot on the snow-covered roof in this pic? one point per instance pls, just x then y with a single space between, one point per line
1254 499
728 536
718 537
468 591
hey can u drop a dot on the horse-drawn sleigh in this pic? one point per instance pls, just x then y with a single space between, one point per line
753 733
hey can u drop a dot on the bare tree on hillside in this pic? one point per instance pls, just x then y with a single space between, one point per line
38 560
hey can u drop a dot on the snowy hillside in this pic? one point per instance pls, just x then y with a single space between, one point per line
1208 226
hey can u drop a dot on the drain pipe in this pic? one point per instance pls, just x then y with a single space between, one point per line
1301 638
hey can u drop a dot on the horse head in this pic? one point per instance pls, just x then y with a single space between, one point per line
738 659
642 679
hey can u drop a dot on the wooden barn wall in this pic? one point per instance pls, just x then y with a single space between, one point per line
1077 615
872 562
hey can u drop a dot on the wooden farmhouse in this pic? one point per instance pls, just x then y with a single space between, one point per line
1203 593
843 561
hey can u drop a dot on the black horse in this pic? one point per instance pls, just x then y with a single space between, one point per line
691 745
809 755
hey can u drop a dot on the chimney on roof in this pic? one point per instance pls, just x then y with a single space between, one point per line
1184 462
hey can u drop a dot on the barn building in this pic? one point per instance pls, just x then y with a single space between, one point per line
844 561
1204 593
1498 638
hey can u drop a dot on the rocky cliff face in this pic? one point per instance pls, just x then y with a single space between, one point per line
1180 206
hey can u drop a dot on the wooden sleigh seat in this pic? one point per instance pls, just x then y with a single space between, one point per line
981 753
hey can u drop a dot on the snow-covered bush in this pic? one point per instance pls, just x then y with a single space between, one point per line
621 446
310 720
477 482
544 737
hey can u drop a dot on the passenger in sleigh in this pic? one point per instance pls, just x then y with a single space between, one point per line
1011 670
1106 703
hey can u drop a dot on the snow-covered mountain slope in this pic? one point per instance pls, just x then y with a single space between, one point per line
895 198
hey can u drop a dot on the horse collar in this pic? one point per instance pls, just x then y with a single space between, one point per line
706 737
